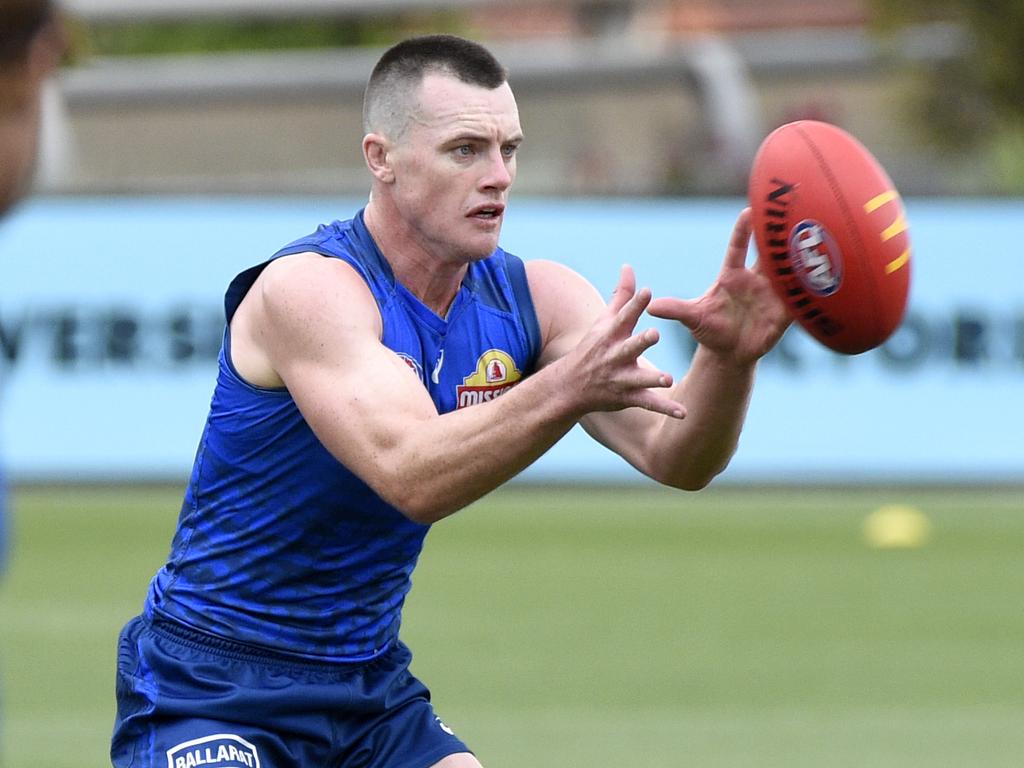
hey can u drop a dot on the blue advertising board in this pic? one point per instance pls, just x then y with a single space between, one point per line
111 318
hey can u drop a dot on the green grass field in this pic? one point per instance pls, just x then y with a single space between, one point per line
607 627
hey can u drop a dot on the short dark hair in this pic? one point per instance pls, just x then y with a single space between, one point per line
20 22
403 66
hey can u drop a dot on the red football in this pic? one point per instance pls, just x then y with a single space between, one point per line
831 234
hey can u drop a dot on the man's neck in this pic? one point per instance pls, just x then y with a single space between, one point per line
432 280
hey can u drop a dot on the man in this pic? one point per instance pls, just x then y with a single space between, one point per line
30 49
366 372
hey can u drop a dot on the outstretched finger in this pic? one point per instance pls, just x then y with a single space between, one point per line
686 311
650 400
739 242
630 313
639 343
649 377
624 290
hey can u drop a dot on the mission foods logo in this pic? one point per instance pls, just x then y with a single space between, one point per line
495 374
223 750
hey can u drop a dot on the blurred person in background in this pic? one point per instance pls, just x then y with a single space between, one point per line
377 376
31 46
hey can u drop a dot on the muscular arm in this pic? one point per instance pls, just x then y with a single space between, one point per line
736 322
310 323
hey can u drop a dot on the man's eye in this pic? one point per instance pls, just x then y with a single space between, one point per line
464 150
509 150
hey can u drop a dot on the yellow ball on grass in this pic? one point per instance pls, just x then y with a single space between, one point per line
897 526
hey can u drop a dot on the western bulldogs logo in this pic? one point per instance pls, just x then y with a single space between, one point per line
816 257
224 750
495 374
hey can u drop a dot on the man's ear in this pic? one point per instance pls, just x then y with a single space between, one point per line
377 153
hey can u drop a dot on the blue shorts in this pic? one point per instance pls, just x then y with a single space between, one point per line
188 700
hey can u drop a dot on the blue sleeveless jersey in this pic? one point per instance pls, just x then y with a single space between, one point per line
278 544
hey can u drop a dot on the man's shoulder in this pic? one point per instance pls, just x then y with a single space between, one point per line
543 272
306 272
339 237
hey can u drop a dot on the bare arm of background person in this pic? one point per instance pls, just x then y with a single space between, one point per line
29 54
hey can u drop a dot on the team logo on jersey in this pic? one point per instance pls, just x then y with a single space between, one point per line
223 750
495 374
816 257
412 362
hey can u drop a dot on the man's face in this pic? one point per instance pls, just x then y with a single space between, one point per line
454 165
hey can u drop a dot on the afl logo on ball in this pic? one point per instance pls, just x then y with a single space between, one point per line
816 258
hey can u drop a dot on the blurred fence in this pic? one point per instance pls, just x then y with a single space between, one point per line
627 109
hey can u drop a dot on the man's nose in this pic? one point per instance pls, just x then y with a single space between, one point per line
500 171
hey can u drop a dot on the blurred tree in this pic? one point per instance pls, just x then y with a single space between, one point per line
130 38
975 102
